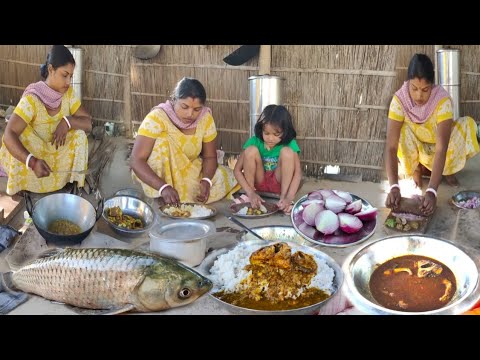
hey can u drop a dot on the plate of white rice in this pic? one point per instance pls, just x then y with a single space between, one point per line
188 211
226 269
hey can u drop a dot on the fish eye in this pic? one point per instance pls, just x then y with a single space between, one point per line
185 293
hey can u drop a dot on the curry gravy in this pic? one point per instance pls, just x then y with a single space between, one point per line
309 297
413 283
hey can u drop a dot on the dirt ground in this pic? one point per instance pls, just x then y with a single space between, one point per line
460 226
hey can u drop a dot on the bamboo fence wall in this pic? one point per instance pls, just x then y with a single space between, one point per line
338 94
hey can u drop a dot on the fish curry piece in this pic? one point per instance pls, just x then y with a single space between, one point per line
118 218
413 283
283 272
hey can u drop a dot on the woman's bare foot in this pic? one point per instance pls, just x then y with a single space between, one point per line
417 177
451 180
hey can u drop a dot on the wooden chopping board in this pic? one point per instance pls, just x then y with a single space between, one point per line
408 206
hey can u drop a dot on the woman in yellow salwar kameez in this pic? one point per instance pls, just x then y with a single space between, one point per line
421 132
175 153
46 131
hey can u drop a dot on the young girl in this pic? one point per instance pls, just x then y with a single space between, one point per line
269 161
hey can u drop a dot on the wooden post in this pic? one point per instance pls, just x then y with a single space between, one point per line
265 60
127 108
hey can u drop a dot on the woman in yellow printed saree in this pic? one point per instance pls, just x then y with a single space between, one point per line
421 132
175 152
46 132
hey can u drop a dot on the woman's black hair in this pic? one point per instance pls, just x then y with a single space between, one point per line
189 87
278 116
421 67
58 56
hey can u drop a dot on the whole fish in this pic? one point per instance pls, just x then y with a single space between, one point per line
115 280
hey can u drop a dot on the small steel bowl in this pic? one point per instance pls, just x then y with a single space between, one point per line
130 206
464 196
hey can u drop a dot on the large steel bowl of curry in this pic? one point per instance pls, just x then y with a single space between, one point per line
71 208
273 235
383 259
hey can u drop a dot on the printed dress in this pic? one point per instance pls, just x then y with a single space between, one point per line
417 141
175 158
36 138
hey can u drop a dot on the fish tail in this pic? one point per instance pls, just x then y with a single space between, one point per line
9 298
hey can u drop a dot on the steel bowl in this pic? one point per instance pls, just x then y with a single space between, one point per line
134 207
183 240
63 207
208 262
464 196
359 266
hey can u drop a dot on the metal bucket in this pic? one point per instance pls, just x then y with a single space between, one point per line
78 71
448 75
264 90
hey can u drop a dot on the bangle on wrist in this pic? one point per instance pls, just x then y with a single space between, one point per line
208 180
431 190
68 122
163 188
28 160
394 186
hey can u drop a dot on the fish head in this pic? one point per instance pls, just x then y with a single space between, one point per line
169 284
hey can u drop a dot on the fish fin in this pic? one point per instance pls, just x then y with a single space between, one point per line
49 252
6 283
113 311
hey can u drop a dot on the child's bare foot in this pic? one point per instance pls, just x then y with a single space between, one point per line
425 171
417 177
451 180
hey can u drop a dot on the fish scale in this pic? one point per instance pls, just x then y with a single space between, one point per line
110 278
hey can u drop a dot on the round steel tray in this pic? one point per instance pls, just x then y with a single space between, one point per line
235 208
339 238
463 196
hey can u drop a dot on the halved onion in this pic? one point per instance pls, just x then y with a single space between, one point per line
310 212
344 195
349 223
335 203
326 222
354 207
367 215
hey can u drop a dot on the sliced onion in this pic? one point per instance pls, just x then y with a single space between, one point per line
354 207
326 193
335 203
344 195
326 222
313 201
349 223
367 215
310 212
308 230
315 195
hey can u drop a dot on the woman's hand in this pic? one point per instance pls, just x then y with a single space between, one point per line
255 200
41 168
285 205
204 191
428 204
393 198
60 134
170 195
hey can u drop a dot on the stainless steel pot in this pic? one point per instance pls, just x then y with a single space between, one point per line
65 207
359 266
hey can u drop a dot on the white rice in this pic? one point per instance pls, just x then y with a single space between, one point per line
228 270
199 211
